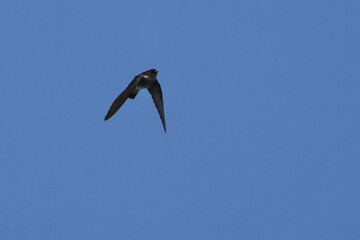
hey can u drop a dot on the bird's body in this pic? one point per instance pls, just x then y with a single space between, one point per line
145 80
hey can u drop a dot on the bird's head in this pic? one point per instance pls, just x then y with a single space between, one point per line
151 72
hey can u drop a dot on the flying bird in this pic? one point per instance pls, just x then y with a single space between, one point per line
146 80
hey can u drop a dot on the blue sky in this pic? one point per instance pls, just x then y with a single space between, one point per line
262 109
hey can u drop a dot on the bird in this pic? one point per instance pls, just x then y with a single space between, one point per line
146 80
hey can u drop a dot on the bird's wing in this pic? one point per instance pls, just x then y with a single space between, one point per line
156 94
119 101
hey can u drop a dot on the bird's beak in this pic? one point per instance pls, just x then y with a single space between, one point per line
156 70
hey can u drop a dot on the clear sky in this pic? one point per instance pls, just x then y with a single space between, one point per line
262 109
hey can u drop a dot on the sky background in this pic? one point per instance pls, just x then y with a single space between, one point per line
262 110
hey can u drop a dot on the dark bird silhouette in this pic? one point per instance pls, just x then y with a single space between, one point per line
146 80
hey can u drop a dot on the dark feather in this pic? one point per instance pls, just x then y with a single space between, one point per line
120 100
156 94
